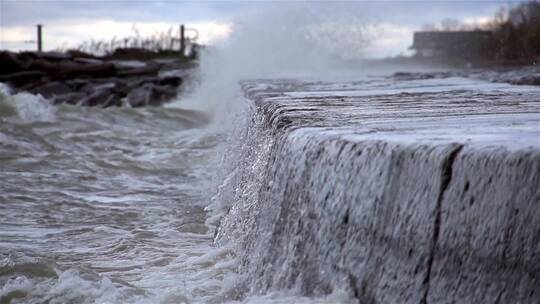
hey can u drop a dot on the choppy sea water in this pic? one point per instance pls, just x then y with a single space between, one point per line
108 206
105 205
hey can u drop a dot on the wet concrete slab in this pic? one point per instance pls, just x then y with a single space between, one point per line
440 110
421 191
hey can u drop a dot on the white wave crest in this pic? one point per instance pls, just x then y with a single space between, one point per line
25 106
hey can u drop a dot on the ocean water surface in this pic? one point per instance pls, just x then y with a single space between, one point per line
110 206
105 205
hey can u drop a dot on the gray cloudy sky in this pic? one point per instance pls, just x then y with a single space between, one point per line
68 22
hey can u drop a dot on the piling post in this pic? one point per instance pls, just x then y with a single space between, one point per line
39 38
182 38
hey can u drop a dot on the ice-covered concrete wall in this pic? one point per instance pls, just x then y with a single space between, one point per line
394 197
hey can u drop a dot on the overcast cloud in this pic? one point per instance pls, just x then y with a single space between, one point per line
70 22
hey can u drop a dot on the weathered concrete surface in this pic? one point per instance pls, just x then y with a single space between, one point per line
397 192
488 240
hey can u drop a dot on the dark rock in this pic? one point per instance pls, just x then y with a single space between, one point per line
9 63
78 78
52 89
88 60
515 76
54 56
174 81
105 96
80 54
115 85
113 100
129 64
70 98
32 85
133 54
103 86
73 70
151 95
143 71
88 86
404 75
77 84
138 82
121 88
527 80
20 78
421 75
43 65
27 56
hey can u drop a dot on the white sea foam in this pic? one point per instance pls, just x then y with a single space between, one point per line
26 106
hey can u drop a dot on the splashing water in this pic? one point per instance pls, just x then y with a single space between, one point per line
286 40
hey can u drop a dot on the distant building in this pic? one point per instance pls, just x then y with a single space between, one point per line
454 44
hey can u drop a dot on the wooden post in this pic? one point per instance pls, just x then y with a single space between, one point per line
39 40
182 39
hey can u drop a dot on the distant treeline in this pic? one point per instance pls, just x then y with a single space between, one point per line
517 33
514 38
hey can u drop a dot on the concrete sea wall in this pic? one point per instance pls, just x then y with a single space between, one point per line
420 194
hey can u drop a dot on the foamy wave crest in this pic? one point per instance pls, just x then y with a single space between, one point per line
68 287
27 107
30 280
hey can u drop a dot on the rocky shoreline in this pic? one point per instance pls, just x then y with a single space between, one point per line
128 77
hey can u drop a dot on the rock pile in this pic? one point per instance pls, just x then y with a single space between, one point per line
82 79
